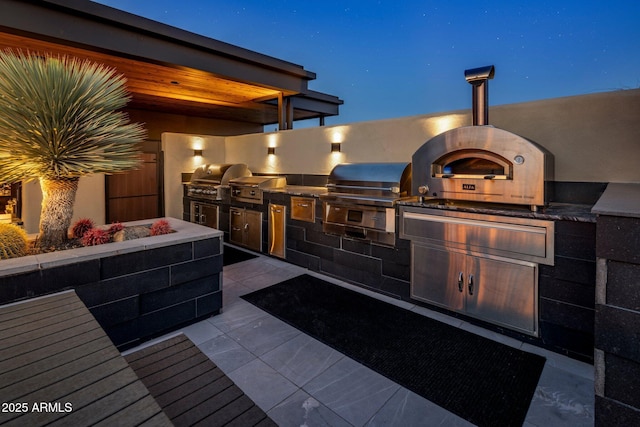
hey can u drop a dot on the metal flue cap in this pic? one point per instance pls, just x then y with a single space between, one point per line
481 73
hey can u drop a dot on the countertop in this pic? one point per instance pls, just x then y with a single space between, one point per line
619 199
554 212
299 190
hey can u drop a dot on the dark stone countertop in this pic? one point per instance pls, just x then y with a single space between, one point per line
553 212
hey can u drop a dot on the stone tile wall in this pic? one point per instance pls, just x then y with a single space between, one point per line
617 322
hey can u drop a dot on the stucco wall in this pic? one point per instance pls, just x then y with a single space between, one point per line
179 158
90 202
594 138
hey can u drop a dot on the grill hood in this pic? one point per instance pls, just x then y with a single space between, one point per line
219 174
369 183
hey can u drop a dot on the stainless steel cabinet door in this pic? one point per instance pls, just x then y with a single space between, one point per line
253 230
209 215
437 277
502 292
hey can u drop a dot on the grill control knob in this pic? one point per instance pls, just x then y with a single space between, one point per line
423 189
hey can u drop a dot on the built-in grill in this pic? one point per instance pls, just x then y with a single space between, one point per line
361 197
249 189
211 182
482 163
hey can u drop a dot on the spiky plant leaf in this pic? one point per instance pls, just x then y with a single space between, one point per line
60 118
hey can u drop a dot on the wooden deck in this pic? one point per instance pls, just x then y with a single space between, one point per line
58 367
191 389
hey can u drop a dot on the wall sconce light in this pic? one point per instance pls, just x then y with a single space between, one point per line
271 150
335 147
197 153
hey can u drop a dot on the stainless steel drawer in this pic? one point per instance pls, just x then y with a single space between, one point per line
517 238
303 209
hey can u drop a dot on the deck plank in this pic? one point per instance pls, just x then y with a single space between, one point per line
74 374
24 366
53 350
181 373
139 413
225 414
38 304
27 320
69 336
190 388
253 417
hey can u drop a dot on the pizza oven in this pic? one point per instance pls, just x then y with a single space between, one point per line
482 163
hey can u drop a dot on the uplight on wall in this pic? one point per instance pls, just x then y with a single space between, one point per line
336 147
271 150
197 153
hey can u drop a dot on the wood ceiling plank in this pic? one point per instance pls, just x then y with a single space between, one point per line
151 84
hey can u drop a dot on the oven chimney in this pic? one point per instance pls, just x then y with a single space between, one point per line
479 79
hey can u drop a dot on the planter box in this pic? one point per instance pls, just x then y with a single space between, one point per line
136 289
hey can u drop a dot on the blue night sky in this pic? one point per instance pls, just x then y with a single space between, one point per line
393 58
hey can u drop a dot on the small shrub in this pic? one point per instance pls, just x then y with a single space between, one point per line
13 241
115 227
96 236
160 227
80 227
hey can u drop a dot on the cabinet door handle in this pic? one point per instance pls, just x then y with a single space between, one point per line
471 284
203 218
460 282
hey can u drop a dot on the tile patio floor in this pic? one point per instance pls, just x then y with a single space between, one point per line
299 381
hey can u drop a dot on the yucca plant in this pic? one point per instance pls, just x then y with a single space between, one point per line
60 119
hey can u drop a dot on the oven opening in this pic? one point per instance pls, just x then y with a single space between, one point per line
472 164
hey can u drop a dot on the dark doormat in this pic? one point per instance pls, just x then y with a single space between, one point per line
482 381
232 255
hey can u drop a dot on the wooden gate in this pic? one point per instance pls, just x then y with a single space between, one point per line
137 194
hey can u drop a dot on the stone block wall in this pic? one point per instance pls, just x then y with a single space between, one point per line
138 293
617 322
377 267
567 291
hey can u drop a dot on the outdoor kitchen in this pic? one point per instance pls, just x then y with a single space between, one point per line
475 226
426 260
500 228
467 267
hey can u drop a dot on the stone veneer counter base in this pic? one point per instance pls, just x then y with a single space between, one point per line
617 319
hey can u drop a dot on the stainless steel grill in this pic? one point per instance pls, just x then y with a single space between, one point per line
211 182
361 197
250 189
